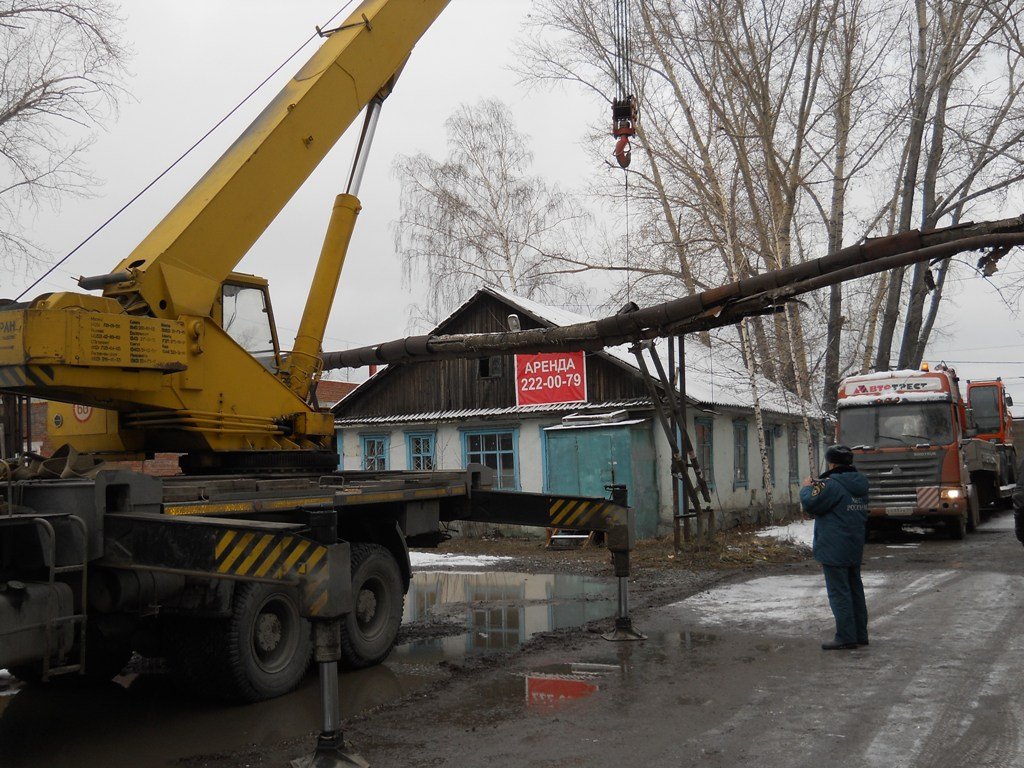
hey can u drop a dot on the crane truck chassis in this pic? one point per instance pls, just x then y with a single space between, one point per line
222 574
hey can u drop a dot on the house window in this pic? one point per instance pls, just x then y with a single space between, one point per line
739 454
769 449
489 367
705 445
375 452
496 449
421 450
793 444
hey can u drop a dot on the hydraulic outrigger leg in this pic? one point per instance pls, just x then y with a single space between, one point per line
620 541
330 744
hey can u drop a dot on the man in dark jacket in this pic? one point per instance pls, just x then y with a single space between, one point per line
1018 505
838 502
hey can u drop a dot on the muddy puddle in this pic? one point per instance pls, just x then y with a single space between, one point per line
142 720
499 611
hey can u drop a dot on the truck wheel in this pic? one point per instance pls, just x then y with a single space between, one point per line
973 509
261 651
268 643
368 633
956 527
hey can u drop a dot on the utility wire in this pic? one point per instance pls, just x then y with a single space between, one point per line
181 157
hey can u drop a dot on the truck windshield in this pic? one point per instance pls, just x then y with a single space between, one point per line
896 424
985 402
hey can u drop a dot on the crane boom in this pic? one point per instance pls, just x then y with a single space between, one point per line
156 352
179 267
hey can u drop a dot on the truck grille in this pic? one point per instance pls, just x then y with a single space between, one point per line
895 477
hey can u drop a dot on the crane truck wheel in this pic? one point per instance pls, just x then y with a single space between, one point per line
368 633
267 643
260 651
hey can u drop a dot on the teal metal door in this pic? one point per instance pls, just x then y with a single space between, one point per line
582 461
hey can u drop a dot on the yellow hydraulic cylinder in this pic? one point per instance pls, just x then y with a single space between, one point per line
304 361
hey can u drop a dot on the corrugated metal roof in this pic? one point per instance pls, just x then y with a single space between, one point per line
469 413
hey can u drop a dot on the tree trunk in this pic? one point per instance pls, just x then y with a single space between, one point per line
914 142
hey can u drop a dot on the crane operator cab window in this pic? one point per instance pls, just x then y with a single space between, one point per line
247 320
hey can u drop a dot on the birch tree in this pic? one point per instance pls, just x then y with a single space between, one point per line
60 77
962 145
480 217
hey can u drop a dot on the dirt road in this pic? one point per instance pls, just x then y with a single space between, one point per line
730 676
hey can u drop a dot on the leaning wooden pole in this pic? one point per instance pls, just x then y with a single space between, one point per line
761 294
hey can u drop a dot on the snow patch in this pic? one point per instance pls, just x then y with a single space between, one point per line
800 532
906 397
426 560
788 605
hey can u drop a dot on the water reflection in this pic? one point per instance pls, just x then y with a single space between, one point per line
70 725
65 724
556 685
501 611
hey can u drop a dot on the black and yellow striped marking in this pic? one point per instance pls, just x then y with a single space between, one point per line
579 513
277 557
14 376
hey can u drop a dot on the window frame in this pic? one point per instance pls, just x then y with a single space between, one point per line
739 425
769 447
495 367
793 451
411 456
466 432
707 468
385 438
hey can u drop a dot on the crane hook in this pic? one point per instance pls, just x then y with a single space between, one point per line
623 151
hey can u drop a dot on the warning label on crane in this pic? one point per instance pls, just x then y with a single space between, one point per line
551 377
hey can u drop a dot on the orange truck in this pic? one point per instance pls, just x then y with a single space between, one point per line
932 456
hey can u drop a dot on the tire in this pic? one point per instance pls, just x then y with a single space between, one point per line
973 509
261 651
368 633
956 527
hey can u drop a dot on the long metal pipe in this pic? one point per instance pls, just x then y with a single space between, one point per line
702 311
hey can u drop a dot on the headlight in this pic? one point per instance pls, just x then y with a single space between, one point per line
951 493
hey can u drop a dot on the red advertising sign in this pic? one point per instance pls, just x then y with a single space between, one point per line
551 377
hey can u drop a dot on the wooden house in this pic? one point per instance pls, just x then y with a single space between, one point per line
603 430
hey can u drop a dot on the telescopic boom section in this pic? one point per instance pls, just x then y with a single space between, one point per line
178 269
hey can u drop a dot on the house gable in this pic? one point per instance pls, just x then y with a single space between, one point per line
457 385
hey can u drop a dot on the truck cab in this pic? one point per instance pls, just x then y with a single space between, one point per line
912 434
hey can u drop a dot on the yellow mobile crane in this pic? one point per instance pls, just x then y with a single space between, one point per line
224 567
168 348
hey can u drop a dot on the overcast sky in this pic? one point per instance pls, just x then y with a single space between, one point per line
195 59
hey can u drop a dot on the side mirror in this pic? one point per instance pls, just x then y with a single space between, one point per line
1009 400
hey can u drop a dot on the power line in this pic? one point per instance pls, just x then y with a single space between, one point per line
181 157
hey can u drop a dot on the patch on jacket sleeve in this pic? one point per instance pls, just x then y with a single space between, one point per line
817 487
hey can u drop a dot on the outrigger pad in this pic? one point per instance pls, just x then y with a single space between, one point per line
337 758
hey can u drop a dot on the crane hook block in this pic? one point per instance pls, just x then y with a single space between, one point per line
624 118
